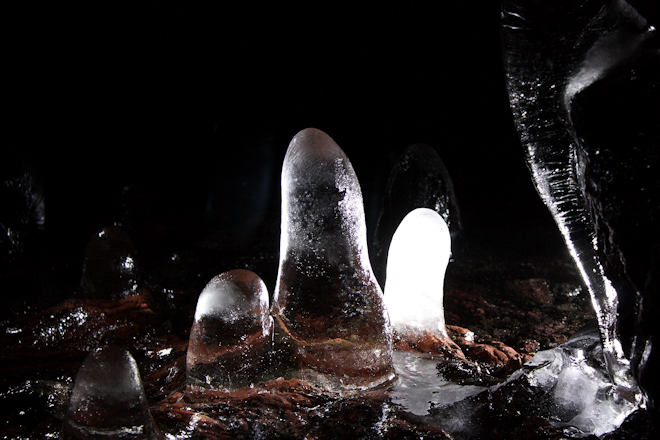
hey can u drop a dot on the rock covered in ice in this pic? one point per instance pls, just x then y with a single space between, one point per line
231 336
419 179
576 386
416 265
108 399
110 268
327 303
583 86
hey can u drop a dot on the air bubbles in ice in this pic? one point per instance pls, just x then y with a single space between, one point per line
110 269
108 399
327 302
416 265
231 336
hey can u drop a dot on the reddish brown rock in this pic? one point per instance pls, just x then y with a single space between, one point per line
535 291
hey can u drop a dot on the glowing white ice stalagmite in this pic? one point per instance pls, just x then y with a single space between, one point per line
231 336
108 400
416 265
328 306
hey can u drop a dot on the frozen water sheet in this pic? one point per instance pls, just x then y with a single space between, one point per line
327 304
231 336
416 265
108 400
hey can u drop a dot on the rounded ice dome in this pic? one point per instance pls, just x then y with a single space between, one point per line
230 337
108 399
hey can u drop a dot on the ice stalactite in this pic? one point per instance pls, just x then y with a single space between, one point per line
583 86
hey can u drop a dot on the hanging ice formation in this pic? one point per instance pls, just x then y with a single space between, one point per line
108 400
110 269
231 337
419 179
583 81
416 264
328 306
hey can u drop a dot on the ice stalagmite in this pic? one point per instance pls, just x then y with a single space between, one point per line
327 304
232 333
416 265
110 269
108 400
419 179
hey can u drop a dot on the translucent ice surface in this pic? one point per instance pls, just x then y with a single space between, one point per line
108 399
416 265
232 333
327 303
576 386
110 269
570 67
420 387
419 179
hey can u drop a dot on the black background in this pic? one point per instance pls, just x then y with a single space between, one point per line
163 102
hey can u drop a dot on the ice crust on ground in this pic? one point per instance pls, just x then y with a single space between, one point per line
570 385
328 306
108 399
419 387
416 265
575 383
232 333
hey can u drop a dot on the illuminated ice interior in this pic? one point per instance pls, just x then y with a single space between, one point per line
416 265
328 306
231 334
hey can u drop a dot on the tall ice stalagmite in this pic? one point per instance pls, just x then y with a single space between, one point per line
328 306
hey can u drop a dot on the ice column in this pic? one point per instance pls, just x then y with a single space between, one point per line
416 265
110 269
328 306
232 333
108 400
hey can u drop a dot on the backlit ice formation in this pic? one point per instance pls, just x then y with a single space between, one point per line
416 265
108 400
328 306
419 179
581 78
231 336
110 269
583 83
